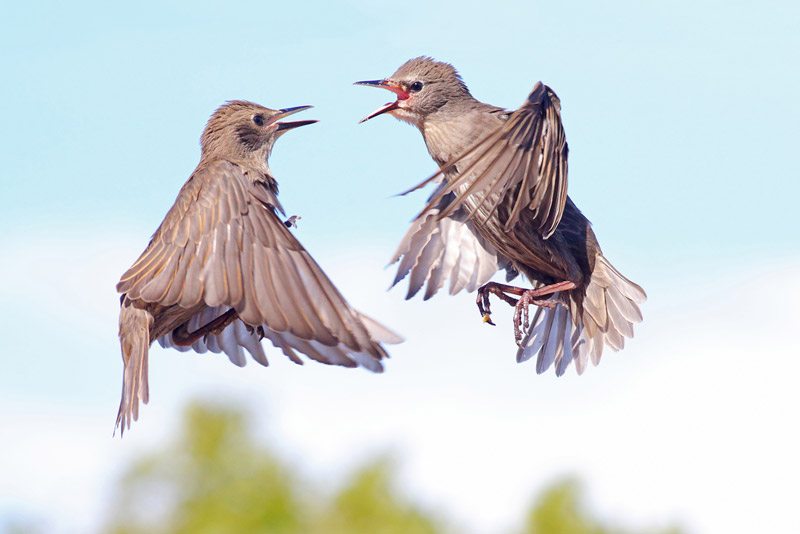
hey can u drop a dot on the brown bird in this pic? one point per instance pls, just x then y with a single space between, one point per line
502 203
223 271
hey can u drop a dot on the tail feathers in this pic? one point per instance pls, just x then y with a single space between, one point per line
552 337
134 338
562 334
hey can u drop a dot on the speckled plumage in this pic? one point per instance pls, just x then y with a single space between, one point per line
222 247
502 203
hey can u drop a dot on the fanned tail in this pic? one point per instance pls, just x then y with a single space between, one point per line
609 310
134 339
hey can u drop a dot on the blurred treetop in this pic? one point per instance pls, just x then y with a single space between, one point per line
216 478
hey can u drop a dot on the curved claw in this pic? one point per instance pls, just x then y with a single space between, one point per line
291 222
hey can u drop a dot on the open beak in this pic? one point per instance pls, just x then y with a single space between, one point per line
389 85
285 112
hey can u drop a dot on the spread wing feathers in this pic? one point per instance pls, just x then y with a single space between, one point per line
238 336
559 335
436 249
223 245
522 164
232 340
134 338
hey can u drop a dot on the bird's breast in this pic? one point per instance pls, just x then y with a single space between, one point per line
447 139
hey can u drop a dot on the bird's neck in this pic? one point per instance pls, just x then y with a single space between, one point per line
251 160
449 132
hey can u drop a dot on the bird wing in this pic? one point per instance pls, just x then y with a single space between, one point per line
238 336
523 161
222 245
436 249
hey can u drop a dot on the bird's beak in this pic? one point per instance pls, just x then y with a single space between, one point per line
389 85
283 126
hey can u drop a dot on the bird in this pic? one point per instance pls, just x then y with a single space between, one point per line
501 204
223 271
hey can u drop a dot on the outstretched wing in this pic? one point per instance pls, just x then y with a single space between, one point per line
522 163
237 336
436 249
222 245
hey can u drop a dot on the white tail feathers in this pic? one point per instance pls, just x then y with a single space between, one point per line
559 335
134 339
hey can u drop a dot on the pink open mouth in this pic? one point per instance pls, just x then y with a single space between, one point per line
394 87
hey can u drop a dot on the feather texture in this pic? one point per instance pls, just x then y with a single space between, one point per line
223 270
609 311
526 154
435 249
134 336
222 246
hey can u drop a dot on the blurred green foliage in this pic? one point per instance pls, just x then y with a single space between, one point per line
217 478
560 510
368 503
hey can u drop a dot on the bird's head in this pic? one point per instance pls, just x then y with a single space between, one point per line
423 86
241 129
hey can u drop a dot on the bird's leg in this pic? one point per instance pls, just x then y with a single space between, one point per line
183 338
521 305
532 296
482 299
292 221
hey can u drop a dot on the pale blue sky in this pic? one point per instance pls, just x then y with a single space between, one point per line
681 116
682 119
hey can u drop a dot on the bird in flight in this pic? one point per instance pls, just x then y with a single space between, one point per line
223 271
501 204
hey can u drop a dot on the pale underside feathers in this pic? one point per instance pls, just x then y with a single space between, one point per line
237 336
435 250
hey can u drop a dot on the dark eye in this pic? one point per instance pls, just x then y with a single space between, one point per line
415 87
259 120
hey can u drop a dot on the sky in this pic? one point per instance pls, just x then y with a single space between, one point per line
682 120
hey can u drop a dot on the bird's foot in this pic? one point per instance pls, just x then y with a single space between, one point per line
493 288
527 297
257 330
291 222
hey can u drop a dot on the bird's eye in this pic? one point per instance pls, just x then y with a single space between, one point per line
415 87
259 120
